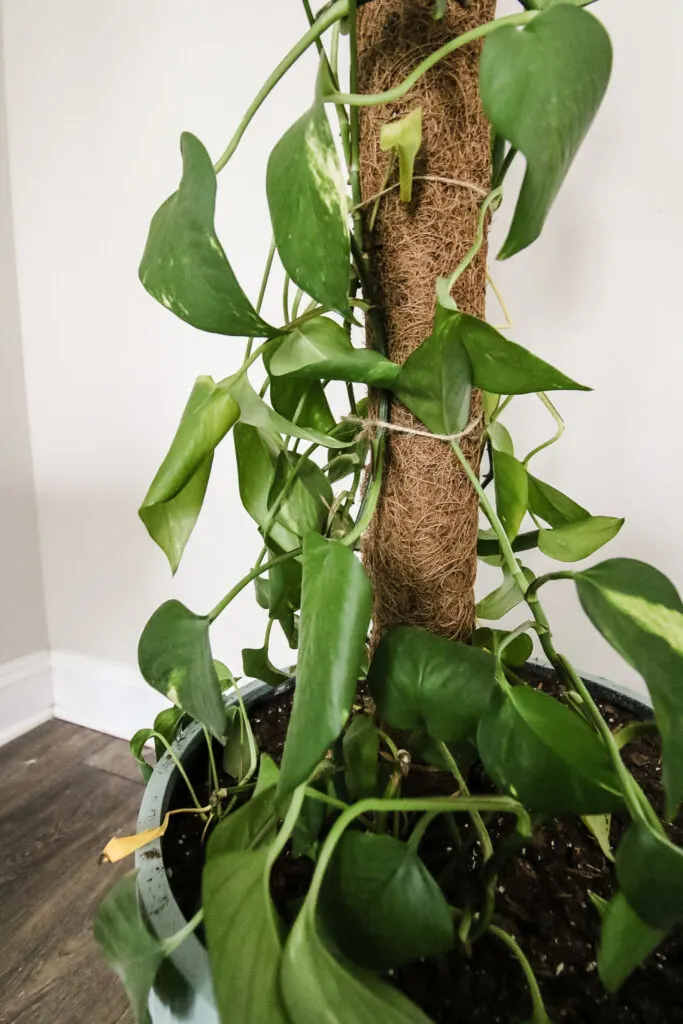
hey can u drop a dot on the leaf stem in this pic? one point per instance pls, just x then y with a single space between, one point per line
246 580
539 1016
477 820
492 198
212 759
170 944
559 423
399 91
179 766
262 290
322 23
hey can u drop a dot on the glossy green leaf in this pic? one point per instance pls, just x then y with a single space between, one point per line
257 665
308 498
650 873
251 826
130 950
380 904
625 942
174 655
638 611
546 755
168 724
302 402
420 680
316 986
175 498
435 381
552 505
336 602
361 753
257 413
137 746
257 452
321 349
239 752
308 209
285 589
184 266
503 367
541 88
306 834
577 540
243 937
514 654
268 774
512 493
504 598
405 136
500 437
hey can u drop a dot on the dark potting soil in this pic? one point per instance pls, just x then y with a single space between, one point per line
543 900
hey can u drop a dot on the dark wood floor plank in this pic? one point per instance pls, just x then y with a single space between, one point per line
51 833
115 757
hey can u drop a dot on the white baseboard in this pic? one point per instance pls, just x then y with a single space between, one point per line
25 695
107 696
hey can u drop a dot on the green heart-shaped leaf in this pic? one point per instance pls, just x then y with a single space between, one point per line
257 665
361 752
577 540
257 452
423 681
504 598
174 655
625 942
321 349
380 904
650 873
435 382
638 611
512 495
545 755
336 601
552 505
302 402
256 413
541 87
184 266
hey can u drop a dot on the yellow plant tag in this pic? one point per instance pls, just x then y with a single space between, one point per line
122 846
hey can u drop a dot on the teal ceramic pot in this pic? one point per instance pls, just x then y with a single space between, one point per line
183 993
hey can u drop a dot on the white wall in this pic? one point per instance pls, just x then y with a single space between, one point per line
97 97
22 612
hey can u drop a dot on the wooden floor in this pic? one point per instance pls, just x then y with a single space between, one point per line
64 791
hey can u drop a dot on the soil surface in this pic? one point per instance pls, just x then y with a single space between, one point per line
543 899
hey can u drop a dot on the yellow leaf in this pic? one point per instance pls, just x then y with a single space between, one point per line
122 846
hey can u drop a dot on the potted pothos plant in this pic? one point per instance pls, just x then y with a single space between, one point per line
427 825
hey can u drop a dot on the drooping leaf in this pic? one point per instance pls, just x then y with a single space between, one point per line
552 505
184 266
512 494
308 209
174 655
251 826
336 601
257 452
137 746
546 755
500 437
504 598
503 367
361 750
257 413
175 498
131 951
321 349
256 664
239 752
302 402
625 942
516 653
405 136
420 680
638 611
650 874
380 904
577 540
541 88
243 936
317 986
307 499
168 724
285 589
268 774
435 381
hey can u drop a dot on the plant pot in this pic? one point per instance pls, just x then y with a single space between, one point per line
183 991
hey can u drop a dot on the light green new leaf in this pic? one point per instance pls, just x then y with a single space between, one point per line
625 942
500 437
552 505
577 540
320 349
243 937
381 906
175 497
512 495
501 366
174 655
638 611
435 381
336 602
130 950
404 135
257 413
184 266
318 987
423 681
650 873
504 598
361 751
546 755
541 88
308 209
257 665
